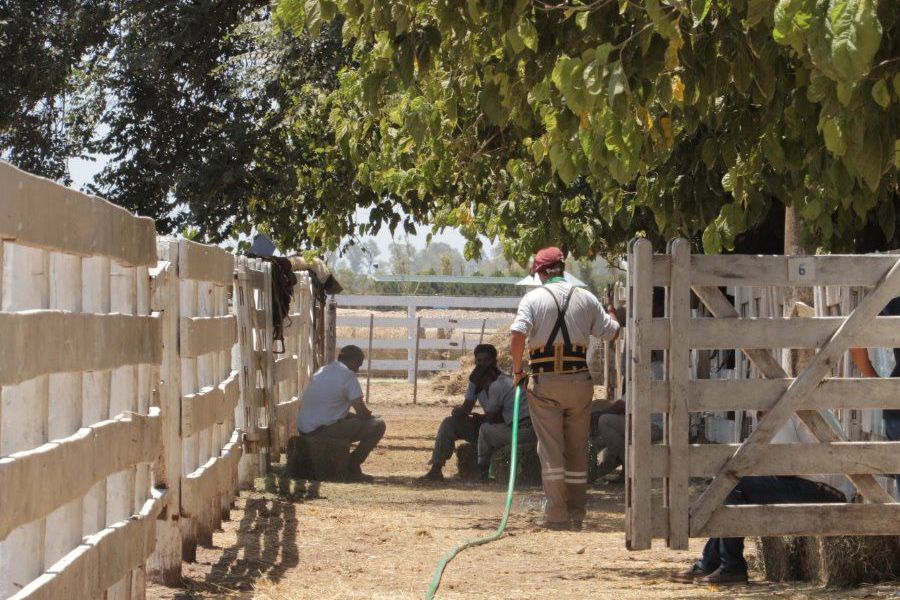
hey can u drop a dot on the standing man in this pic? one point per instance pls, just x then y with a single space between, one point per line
555 322
325 410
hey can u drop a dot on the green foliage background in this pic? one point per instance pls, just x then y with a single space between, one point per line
584 123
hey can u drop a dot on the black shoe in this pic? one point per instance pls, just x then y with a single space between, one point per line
357 476
719 577
433 474
577 525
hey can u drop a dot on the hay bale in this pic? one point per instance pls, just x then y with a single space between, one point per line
528 466
837 561
318 458
467 462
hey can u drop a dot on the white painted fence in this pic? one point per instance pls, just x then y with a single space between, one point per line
414 326
127 383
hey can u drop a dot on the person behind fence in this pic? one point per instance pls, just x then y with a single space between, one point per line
494 391
609 423
864 364
325 410
722 561
555 322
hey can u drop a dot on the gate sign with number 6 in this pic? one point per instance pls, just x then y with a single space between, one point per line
802 270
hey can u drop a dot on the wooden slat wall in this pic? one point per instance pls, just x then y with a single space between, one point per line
757 328
76 430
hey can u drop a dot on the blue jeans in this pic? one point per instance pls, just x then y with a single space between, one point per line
892 429
728 553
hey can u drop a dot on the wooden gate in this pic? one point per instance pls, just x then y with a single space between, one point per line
672 512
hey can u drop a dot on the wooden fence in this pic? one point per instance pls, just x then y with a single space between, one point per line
134 373
809 395
415 327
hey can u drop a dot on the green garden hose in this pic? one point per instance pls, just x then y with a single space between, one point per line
513 455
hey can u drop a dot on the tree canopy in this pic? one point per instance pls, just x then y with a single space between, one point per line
584 123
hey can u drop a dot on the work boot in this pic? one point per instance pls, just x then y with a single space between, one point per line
689 575
577 524
720 577
356 475
543 523
433 474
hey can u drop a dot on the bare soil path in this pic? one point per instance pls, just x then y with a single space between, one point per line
383 540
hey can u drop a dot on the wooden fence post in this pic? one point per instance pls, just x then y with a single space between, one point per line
369 357
330 330
416 361
164 566
412 334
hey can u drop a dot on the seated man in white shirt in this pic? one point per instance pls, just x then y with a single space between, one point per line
325 410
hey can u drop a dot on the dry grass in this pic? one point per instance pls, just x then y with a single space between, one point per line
383 540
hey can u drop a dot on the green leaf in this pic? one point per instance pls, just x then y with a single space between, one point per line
897 85
774 152
699 10
709 152
757 10
856 33
618 91
834 136
491 104
528 33
897 154
880 93
712 242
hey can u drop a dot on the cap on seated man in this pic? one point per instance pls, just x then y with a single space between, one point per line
325 410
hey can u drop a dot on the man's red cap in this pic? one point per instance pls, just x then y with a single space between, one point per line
547 257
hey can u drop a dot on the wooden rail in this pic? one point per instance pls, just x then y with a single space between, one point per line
119 443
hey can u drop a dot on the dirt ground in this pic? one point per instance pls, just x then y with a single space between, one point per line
383 540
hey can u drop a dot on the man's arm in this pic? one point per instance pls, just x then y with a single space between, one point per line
463 409
516 350
362 411
861 358
615 315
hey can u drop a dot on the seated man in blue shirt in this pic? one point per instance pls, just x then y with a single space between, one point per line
494 391
325 410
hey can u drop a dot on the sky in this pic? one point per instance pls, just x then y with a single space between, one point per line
82 171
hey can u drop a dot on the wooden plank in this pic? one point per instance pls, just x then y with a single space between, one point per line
202 262
202 335
101 560
427 322
285 368
209 406
856 458
744 270
678 375
473 302
400 344
39 212
715 395
404 365
802 519
809 378
39 342
882 332
199 486
719 306
286 412
638 414
35 482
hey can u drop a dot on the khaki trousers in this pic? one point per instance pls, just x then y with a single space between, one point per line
560 414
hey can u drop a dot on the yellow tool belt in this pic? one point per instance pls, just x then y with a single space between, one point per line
559 358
